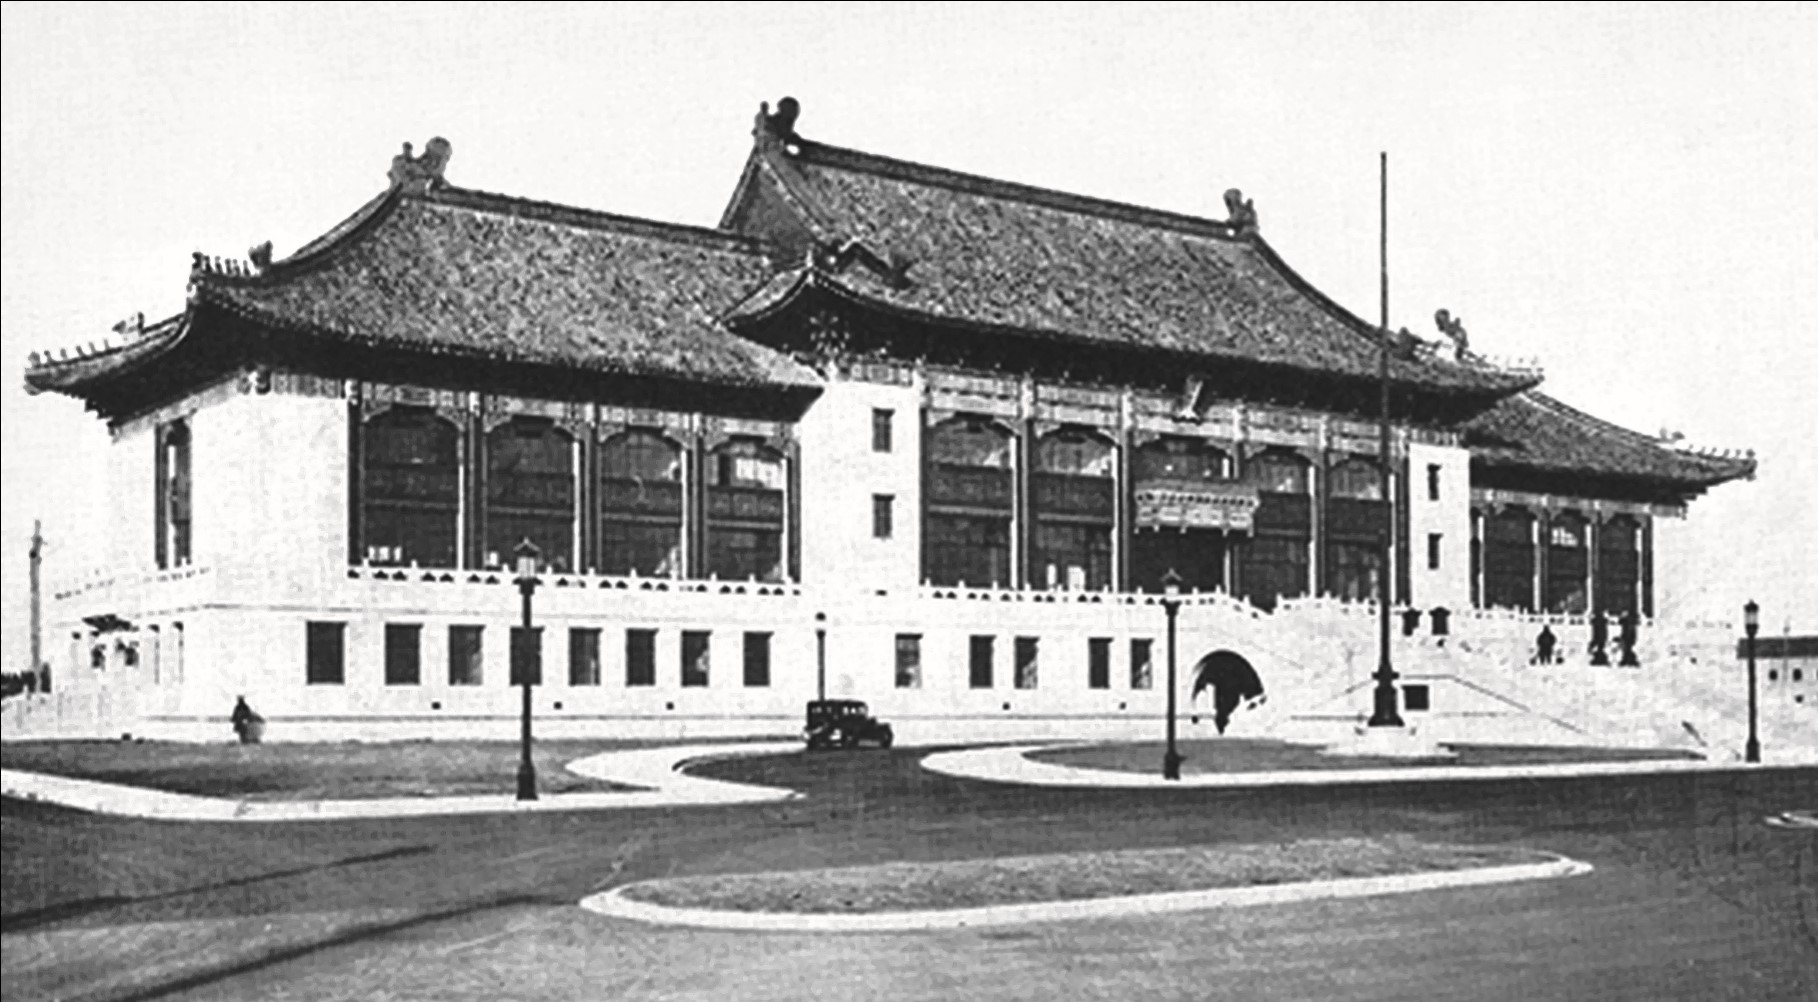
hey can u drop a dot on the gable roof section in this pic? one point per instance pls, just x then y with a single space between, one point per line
461 272
458 273
961 249
1532 431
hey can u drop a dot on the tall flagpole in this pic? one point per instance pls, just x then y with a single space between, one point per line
1387 711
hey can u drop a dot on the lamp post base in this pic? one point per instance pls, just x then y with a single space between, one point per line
1752 753
1171 764
527 781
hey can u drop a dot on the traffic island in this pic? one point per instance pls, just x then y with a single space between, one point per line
973 893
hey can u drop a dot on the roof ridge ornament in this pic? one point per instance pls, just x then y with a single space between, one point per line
1453 328
1240 213
778 128
421 173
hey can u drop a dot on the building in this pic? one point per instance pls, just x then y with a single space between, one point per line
888 431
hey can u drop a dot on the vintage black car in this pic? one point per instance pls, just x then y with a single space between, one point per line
845 723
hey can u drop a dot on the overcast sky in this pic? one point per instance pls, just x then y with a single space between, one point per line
1624 193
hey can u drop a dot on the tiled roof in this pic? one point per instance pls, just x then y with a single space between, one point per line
1534 431
993 254
462 272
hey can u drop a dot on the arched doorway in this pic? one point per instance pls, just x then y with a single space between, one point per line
1233 682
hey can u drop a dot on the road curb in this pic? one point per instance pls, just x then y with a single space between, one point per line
614 904
1010 764
658 768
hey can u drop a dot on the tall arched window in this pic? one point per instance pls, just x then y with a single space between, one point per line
640 505
1355 524
1275 558
410 498
745 511
1618 564
1508 559
1568 563
173 509
971 503
530 492
1075 510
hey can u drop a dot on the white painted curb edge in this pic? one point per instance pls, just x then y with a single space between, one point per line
658 768
613 903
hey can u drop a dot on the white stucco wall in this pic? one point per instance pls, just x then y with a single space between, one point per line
1449 517
841 474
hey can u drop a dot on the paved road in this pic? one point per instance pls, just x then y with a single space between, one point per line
1694 897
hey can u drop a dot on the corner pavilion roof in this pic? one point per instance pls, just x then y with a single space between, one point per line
1532 431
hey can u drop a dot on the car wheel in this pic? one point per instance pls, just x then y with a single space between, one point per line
886 740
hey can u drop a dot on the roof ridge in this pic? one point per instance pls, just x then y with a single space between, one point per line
592 219
1053 198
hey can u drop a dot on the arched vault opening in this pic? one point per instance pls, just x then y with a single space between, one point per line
1233 682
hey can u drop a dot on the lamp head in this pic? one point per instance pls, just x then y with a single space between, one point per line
1751 617
1171 584
527 554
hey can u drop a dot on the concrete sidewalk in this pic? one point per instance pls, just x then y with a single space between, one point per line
1011 764
658 770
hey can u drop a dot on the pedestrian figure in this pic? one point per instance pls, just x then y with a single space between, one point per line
248 725
1543 645
1626 639
1600 639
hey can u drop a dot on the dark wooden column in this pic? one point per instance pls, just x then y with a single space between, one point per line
1647 566
474 500
792 510
1023 506
1404 553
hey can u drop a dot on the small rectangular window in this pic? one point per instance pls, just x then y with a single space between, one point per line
1027 662
694 658
1415 698
1433 482
327 654
883 521
908 661
1433 544
403 654
1142 671
583 656
880 429
640 658
465 653
982 653
757 660
1098 663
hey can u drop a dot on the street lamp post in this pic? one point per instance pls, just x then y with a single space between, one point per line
525 656
820 655
1386 712
1171 605
1751 623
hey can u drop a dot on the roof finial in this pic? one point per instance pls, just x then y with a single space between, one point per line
779 127
424 172
1240 212
260 256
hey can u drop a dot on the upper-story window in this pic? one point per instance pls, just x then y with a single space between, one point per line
1432 481
174 508
1181 459
411 501
1279 473
745 511
971 503
881 420
530 492
1359 479
640 505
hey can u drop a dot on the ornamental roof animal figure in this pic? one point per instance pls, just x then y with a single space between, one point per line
782 124
1240 212
1453 327
425 170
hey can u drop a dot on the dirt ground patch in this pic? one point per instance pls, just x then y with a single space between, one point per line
1227 755
1066 876
338 771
